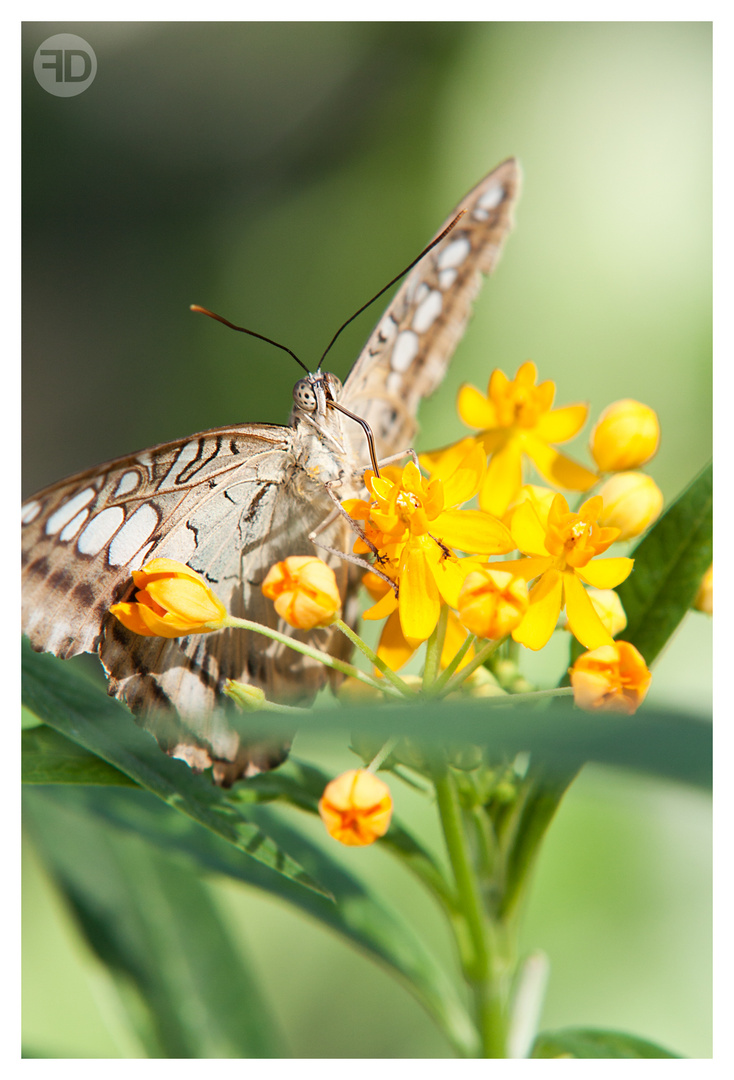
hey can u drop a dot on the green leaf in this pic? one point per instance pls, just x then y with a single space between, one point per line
50 758
86 715
188 990
592 1043
669 565
360 917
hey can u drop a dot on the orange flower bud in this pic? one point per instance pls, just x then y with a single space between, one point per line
612 678
172 601
705 596
492 602
304 590
356 808
632 501
626 436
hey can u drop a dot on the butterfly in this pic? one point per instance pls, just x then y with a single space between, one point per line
232 501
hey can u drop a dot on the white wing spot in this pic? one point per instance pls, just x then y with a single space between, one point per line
446 278
421 293
405 350
133 535
69 531
30 511
428 312
491 198
479 215
137 560
128 482
388 328
454 254
68 510
99 530
185 456
144 458
394 383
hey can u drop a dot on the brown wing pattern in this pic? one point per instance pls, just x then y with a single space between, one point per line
409 350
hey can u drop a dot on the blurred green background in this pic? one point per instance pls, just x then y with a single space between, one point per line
281 174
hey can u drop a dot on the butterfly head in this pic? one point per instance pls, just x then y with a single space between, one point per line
313 393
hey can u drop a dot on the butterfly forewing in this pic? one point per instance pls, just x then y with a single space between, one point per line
409 350
232 502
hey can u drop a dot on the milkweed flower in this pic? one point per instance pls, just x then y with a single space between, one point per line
492 602
421 524
612 678
609 608
171 601
626 435
516 418
632 501
560 552
304 590
705 596
356 808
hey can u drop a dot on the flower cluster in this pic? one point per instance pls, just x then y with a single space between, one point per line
467 578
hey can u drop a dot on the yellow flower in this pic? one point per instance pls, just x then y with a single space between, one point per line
356 808
305 591
172 601
492 602
541 497
705 596
611 678
516 418
626 436
560 551
421 524
609 608
632 501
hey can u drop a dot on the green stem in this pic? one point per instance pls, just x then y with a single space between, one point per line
383 754
446 674
395 680
434 648
483 968
309 650
484 654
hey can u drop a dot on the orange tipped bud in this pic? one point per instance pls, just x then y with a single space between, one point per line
172 601
611 678
356 808
626 436
304 590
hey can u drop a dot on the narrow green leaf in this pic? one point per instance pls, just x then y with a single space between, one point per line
155 927
360 917
86 715
669 565
592 1043
50 758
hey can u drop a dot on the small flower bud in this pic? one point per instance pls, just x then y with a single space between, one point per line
304 590
492 602
356 808
612 678
249 698
172 601
626 436
632 501
705 596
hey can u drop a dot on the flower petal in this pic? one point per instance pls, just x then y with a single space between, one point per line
606 573
583 620
557 469
503 479
464 481
524 568
560 425
473 531
441 463
542 615
474 408
385 606
418 601
393 647
528 530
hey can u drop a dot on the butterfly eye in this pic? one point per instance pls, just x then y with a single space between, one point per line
304 396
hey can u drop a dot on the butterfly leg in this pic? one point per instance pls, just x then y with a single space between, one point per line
356 528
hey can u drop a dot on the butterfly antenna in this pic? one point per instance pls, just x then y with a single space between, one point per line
389 285
244 330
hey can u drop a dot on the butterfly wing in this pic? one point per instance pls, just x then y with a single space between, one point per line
409 351
228 503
